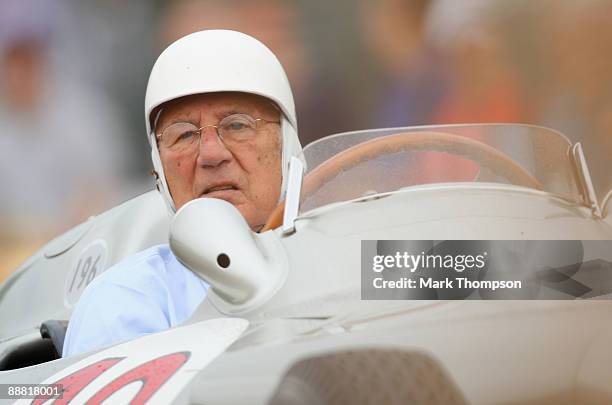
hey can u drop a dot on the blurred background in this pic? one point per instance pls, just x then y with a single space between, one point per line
73 75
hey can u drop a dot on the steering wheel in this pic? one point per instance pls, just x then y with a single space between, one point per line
480 152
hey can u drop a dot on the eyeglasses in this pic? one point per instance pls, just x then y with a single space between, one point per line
233 129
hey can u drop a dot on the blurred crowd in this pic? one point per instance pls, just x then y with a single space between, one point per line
73 75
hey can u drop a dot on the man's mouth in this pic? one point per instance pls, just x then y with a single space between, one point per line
223 187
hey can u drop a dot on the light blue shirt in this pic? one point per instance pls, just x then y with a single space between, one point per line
144 293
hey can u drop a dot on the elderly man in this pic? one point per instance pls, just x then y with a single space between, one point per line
221 122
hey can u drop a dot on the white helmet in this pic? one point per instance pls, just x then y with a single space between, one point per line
215 61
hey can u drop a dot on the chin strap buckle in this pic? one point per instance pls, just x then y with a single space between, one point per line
292 199
157 180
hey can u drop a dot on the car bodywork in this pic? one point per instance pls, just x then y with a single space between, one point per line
287 323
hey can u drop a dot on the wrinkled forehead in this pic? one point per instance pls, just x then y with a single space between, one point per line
217 105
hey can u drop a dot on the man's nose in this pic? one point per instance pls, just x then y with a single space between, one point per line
212 150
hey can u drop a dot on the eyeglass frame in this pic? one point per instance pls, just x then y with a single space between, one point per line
216 127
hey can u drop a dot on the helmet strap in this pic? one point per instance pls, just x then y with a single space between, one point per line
290 147
160 177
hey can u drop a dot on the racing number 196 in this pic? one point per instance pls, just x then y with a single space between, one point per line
86 270
90 263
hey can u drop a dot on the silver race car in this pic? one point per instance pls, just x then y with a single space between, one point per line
293 315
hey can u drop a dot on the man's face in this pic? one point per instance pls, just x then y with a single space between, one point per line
246 174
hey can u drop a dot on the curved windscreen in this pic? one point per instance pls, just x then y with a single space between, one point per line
354 164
